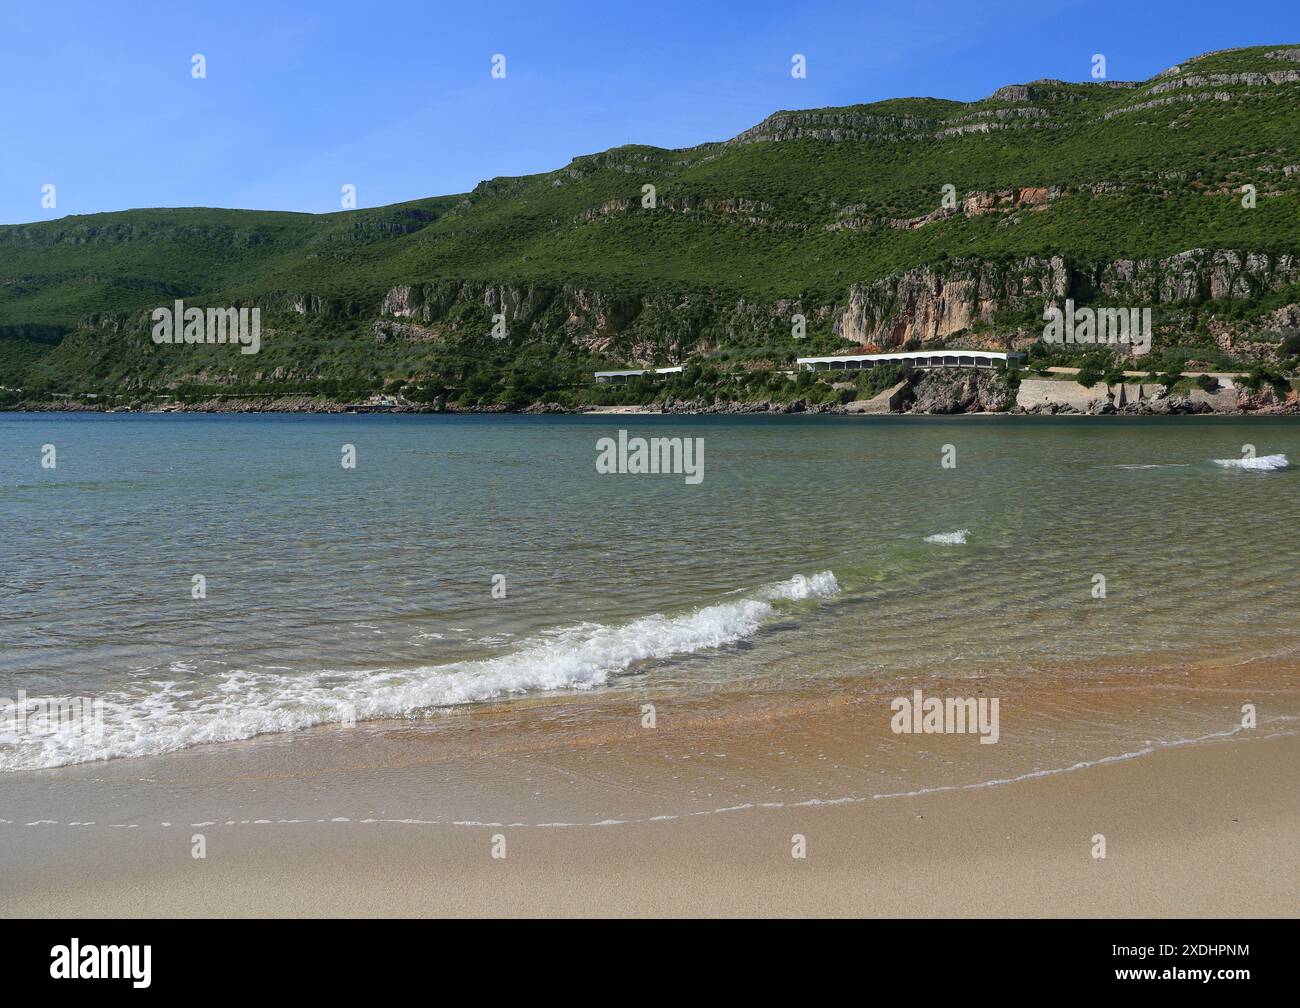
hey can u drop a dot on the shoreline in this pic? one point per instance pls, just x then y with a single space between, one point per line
943 392
1190 834
599 817
728 409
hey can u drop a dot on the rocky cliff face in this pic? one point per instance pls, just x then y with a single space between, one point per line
959 391
934 302
928 303
645 329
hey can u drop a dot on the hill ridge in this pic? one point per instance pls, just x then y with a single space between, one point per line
909 219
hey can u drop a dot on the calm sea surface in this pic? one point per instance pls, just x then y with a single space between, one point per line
805 552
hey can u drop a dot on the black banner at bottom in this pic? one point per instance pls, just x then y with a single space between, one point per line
342 957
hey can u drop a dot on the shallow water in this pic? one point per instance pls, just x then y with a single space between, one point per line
813 547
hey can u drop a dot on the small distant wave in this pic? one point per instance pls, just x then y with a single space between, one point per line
1260 463
1150 465
957 538
165 716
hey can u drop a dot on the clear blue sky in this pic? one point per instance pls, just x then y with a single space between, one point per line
396 96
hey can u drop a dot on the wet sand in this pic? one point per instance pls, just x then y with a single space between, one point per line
1192 832
599 814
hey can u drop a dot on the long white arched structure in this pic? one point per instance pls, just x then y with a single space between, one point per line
920 359
605 377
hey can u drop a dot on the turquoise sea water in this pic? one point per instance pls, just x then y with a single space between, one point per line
805 552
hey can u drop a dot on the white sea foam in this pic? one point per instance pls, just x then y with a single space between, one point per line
163 716
957 538
1260 463
1150 465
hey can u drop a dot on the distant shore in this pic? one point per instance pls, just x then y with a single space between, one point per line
758 408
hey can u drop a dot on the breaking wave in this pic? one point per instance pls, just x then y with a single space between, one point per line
161 717
957 538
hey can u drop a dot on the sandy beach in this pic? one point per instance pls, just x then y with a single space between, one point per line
597 816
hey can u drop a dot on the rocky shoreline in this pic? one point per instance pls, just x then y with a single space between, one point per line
1170 406
936 393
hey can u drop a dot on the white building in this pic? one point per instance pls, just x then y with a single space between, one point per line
920 359
604 377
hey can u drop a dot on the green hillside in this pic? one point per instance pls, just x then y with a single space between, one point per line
810 211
